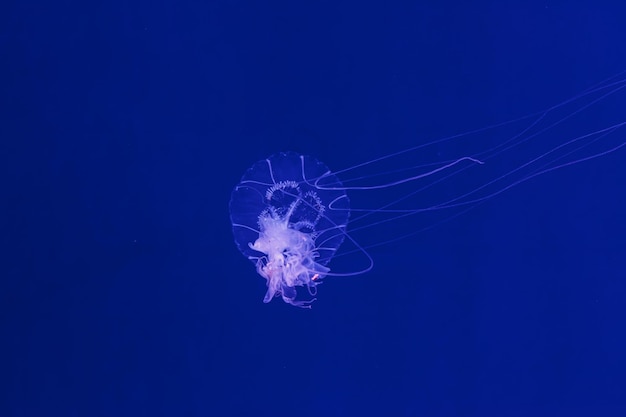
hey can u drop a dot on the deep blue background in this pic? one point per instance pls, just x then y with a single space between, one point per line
126 124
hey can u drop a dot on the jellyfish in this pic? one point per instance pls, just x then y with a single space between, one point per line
290 213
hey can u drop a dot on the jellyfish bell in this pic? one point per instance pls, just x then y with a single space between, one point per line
291 213
281 222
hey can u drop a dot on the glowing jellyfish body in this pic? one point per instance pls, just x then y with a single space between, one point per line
281 223
290 212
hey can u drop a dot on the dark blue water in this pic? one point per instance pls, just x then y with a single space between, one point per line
125 126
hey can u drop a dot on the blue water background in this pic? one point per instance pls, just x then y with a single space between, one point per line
125 126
